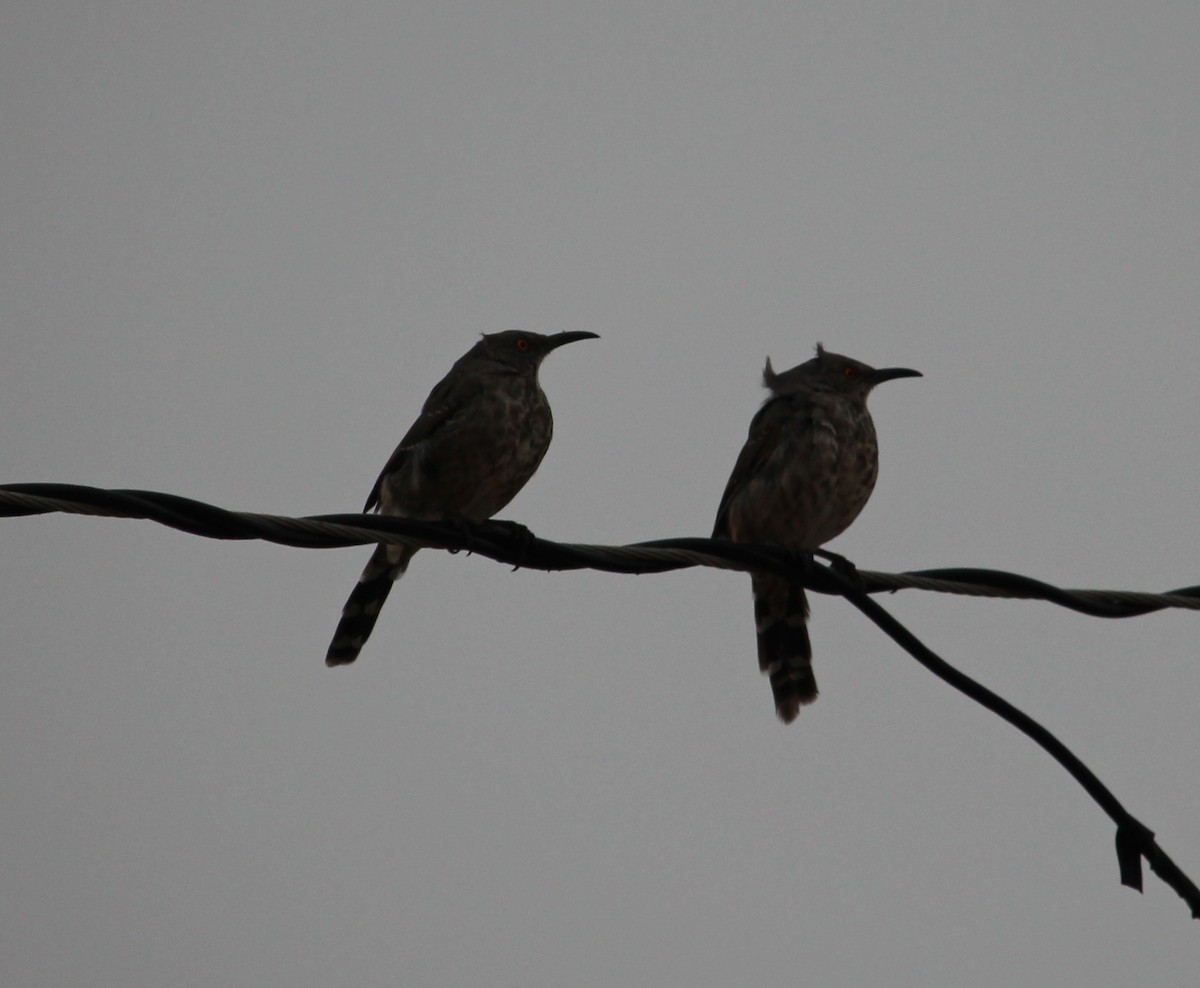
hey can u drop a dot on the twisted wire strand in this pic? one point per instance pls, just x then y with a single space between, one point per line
511 543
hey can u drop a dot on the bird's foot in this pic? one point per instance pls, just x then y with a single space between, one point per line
522 539
842 567
801 559
467 529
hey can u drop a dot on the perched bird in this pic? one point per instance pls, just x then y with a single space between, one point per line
806 471
479 438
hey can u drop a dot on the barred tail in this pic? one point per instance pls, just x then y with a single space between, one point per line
387 565
784 651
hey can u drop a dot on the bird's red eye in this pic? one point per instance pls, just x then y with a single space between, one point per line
522 344
850 373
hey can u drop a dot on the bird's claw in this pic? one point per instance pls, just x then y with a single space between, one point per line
467 529
841 566
520 535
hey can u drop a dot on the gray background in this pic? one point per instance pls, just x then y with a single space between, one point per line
240 244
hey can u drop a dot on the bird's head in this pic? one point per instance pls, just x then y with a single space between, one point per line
521 350
832 372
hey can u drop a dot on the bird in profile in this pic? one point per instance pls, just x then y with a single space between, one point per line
806 471
479 438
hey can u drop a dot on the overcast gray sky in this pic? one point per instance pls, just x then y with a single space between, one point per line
240 244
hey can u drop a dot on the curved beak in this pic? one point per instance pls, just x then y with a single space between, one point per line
891 373
556 340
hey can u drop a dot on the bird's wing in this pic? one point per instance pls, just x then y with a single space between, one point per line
766 431
449 397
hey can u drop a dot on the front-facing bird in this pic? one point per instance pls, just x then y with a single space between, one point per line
804 474
479 438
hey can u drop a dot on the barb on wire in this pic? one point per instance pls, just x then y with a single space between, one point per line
1134 839
510 543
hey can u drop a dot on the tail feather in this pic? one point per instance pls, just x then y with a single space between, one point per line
361 611
784 649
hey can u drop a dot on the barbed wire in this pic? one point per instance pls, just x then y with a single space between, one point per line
513 544
509 543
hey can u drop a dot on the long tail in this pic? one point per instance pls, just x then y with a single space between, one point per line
784 651
387 565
